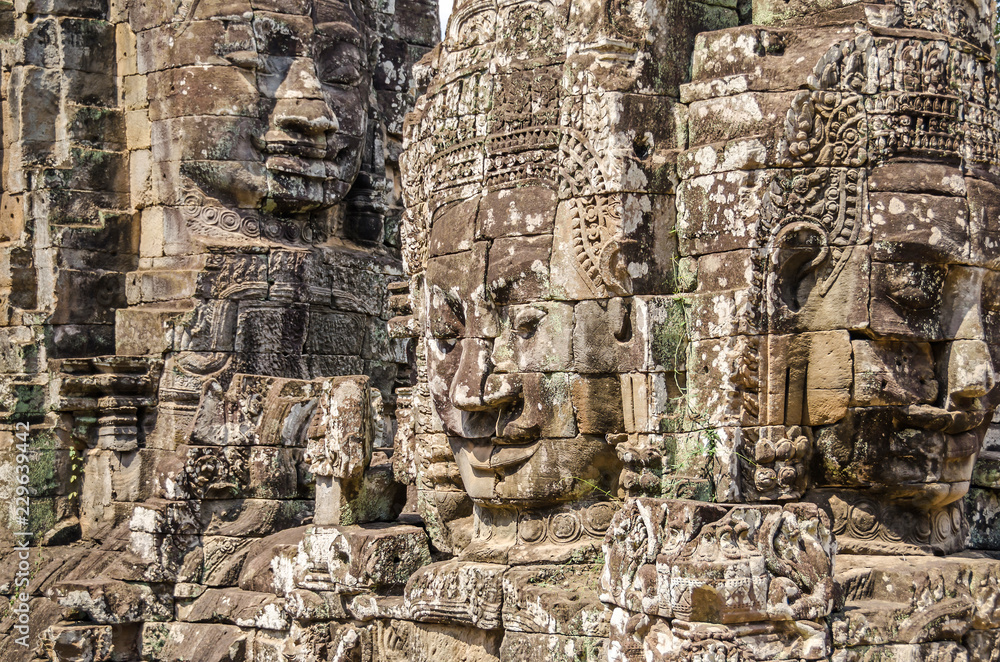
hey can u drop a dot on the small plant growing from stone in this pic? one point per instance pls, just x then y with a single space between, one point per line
75 459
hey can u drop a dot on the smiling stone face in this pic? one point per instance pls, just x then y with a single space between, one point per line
539 214
843 327
264 109
901 451
501 371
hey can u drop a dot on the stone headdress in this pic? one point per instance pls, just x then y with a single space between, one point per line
483 128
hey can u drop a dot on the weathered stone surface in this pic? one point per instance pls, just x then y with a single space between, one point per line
983 512
947 652
684 571
645 250
92 642
532 646
113 602
931 600
355 559
554 600
177 641
457 592
243 608
427 642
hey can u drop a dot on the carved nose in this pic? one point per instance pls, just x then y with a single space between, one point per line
502 390
300 105
308 116
466 391
970 369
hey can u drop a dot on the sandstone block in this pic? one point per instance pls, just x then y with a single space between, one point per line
518 269
893 373
746 114
114 602
457 592
533 646
935 652
507 213
405 641
173 641
243 608
608 336
353 559
553 600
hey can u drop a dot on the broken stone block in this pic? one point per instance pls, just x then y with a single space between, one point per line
400 640
353 559
243 608
982 509
535 646
252 517
223 559
554 600
215 643
88 642
915 652
114 602
707 590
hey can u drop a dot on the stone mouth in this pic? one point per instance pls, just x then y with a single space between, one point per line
489 456
313 168
609 48
508 456
305 150
936 419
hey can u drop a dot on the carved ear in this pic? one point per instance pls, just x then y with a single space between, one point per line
799 251
614 268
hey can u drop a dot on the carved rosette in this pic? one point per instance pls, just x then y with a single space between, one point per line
215 472
865 525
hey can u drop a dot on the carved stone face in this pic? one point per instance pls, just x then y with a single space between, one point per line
267 110
524 427
897 435
842 325
536 232
921 378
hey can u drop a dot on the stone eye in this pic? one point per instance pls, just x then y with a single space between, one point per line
245 59
340 64
991 291
916 286
447 317
527 320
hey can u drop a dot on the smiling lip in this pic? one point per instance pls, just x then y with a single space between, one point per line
928 417
314 168
499 457
301 150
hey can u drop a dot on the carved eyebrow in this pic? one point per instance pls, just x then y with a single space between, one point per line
924 252
339 31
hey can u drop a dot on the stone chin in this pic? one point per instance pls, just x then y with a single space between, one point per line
292 192
296 186
538 473
946 483
927 456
